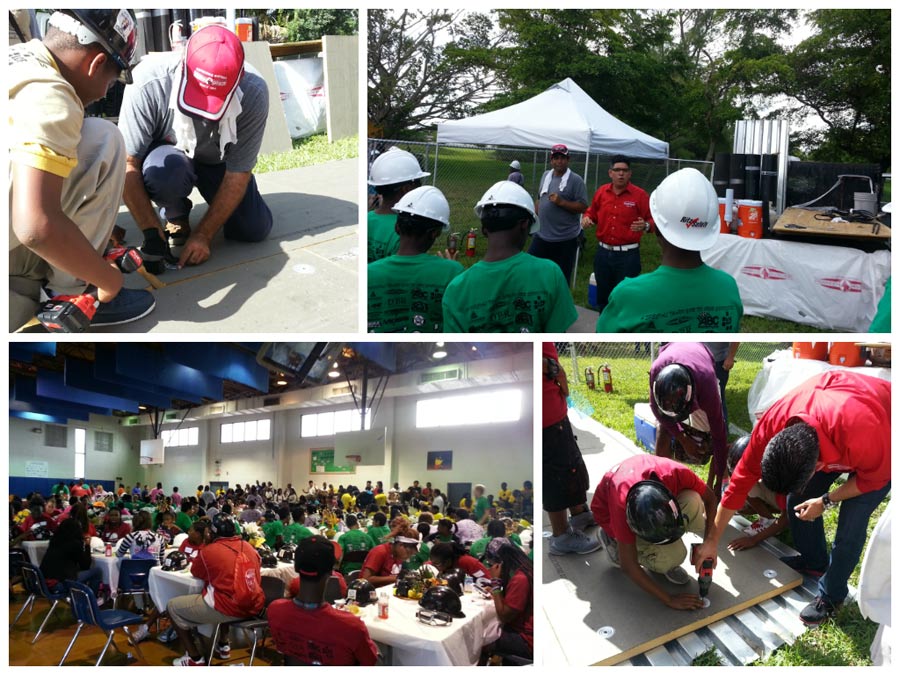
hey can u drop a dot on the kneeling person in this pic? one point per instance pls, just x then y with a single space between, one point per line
306 627
509 291
645 505
406 289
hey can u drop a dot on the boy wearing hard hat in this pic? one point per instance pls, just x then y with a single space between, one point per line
508 291
406 289
393 174
683 295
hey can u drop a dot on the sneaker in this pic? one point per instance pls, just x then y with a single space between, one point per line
582 521
573 541
140 633
677 575
612 547
186 660
168 635
223 651
798 563
155 252
818 611
129 305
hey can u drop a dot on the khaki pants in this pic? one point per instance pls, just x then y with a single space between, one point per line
91 196
190 611
663 557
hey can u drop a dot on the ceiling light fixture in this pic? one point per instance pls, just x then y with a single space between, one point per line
440 352
334 372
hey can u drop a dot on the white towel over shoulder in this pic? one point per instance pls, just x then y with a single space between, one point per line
545 184
183 125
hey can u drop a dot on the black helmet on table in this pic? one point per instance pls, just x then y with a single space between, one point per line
267 557
175 561
442 599
673 391
362 592
653 513
115 30
286 552
223 525
455 579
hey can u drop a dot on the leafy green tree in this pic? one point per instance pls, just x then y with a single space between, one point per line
310 24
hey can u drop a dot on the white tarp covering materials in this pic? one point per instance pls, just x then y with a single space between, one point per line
564 113
301 83
781 372
830 287
875 587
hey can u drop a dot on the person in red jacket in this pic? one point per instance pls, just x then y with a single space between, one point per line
834 423
233 590
384 562
306 628
114 529
449 555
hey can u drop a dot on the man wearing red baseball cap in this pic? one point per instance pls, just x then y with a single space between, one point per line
195 121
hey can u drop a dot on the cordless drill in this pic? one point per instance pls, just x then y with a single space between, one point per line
704 579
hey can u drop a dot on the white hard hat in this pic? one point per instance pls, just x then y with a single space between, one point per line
395 166
506 192
178 539
97 545
515 165
685 208
426 201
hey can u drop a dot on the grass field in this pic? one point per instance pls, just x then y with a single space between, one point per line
463 175
307 152
843 641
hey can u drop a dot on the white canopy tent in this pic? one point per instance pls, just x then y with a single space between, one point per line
564 113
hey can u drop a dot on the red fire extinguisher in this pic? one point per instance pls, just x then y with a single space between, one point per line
470 242
607 379
589 377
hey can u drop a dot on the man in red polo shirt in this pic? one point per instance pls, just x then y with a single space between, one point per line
644 506
834 423
621 212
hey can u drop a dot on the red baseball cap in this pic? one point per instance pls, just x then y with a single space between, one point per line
559 149
213 65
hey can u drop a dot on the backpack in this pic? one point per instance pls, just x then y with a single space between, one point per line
248 595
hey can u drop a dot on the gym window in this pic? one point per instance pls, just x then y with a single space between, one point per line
80 450
503 405
177 438
331 423
246 432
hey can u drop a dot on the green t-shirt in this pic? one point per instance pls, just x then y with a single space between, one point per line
294 532
476 550
672 300
882 321
383 238
183 521
481 506
379 534
521 294
420 558
354 540
271 531
405 293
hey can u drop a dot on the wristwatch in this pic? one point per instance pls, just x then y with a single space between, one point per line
826 501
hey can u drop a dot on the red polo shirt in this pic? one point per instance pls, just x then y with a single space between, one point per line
608 504
851 414
614 214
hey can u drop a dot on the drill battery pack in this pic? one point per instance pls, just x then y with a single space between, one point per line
68 313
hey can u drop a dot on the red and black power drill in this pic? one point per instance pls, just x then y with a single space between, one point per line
704 579
74 313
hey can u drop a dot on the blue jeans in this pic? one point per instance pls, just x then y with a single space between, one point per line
91 577
170 176
809 536
610 268
560 252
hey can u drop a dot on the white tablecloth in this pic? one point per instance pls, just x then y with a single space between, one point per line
830 287
35 550
109 567
165 585
414 643
781 373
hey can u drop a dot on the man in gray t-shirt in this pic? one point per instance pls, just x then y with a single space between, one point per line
562 198
195 121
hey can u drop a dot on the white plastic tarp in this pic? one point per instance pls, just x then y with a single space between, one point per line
564 113
830 287
301 83
781 372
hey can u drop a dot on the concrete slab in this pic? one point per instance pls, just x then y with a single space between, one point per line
586 594
302 279
586 321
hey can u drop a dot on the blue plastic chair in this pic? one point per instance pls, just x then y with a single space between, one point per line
36 585
134 577
85 609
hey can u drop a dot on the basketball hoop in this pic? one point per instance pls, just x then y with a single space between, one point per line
353 459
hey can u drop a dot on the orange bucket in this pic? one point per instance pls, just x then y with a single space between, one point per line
750 215
723 226
243 28
817 351
847 354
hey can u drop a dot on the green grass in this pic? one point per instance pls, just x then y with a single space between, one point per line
843 641
308 152
464 175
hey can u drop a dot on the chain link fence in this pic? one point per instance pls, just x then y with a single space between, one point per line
464 172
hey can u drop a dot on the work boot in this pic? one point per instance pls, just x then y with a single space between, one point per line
582 521
129 305
677 575
818 611
612 547
155 252
573 541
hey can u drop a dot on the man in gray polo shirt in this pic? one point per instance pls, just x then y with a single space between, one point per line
195 121
562 198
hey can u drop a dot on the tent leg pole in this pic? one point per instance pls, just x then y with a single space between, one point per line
434 173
